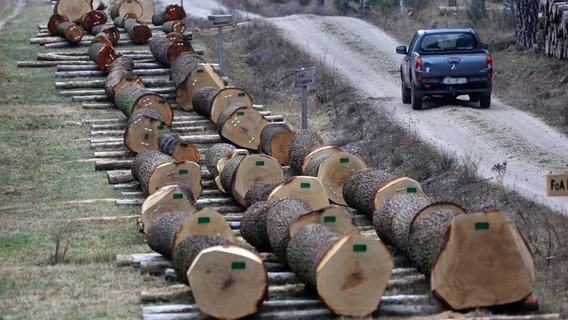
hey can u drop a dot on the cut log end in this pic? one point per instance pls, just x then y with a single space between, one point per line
206 222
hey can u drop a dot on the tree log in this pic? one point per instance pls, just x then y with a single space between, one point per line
178 26
228 282
171 144
192 79
280 215
144 165
132 97
485 261
215 153
103 55
427 232
171 13
349 272
54 21
253 168
175 196
107 31
302 144
73 9
259 191
138 31
228 169
187 250
275 140
224 98
71 31
182 67
253 226
337 219
309 189
162 230
202 99
360 188
123 7
206 222
241 125
93 18
400 185
166 50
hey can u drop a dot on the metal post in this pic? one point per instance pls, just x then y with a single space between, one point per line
304 107
220 44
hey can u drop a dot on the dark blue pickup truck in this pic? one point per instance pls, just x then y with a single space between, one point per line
446 62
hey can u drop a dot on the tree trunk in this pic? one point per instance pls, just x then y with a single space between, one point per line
162 230
103 55
337 219
70 31
120 72
175 196
171 144
166 50
320 152
132 96
204 75
303 143
54 21
275 140
340 268
93 18
73 9
361 187
485 261
143 129
187 250
144 165
228 282
171 13
177 26
202 100
123 7
309 189
241 125
228 172
259 191
527 23
402 185
280 215
206 222
215 153
139 32
225 97
107 31
182 67
253 226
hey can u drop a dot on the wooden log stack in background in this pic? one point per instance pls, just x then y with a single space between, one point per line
553 28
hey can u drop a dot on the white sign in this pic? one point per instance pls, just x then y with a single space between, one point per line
557 185
221 20
305 77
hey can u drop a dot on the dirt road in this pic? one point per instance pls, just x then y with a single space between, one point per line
364 56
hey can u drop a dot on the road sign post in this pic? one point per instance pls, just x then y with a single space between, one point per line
305 77
220 21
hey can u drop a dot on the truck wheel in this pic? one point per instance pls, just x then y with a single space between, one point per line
485 101
405 93
415 98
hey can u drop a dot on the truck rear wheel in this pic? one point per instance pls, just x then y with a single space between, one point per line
405 93
485 101
416 99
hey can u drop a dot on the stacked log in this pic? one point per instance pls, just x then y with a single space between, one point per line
177 26
61 26
189 74
302 144
172 12
93 18
102 53
166 50
174 196
138 31
360 189
553 28
241 124
275 140
120 72
107 31
74 10
133 95
172 144
120 8
349 272
307 188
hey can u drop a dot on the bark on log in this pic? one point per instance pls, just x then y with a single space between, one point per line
400 185
393 218
337 219
241 125
309 189
54 21
204 75
144 165
321 153
215 153
186 172
71 31
93 18
172 144
360 188
485 261
178 26
280 215
428 229
132 97
227 172
170 13
167 50
73 9
138 31
303 143
182 67
349 272
107 31
253 226
206 222
225 97
259 191
235 288
175 196
103 55
202 99
117 77
275 140
162 230
187 250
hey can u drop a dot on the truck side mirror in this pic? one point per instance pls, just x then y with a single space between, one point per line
401 50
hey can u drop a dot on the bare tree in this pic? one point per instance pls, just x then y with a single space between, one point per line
527 23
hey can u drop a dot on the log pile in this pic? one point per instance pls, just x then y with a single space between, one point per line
553 28
61 26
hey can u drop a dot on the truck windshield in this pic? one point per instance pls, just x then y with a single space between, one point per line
448 42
